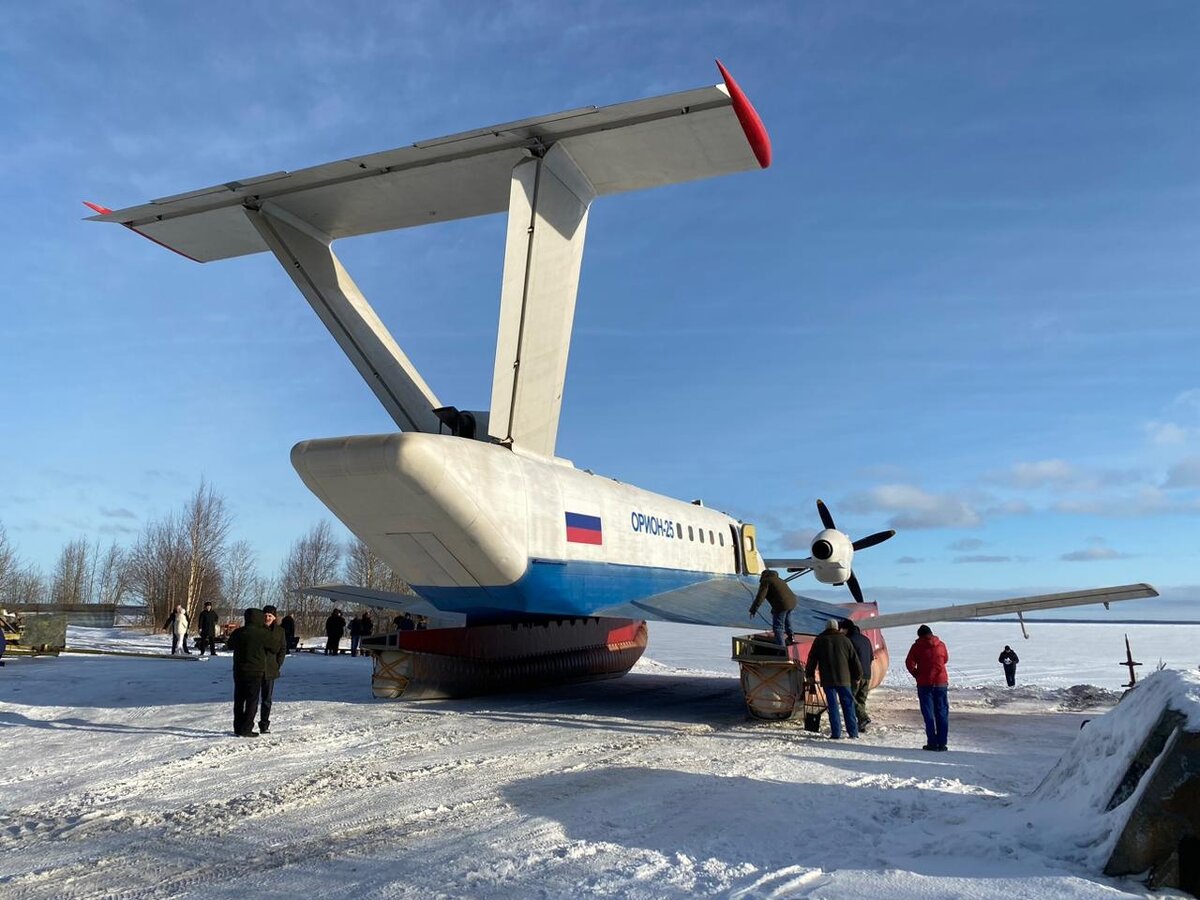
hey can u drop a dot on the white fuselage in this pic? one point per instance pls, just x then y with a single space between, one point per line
477 527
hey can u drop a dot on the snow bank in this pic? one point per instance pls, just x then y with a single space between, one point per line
1073 798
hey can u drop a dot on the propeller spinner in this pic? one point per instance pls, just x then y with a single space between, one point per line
832 552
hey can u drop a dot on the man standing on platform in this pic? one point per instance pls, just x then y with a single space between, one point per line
775 591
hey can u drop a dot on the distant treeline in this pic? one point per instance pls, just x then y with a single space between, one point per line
186 558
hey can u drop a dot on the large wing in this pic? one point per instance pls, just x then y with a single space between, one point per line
628 146
1013 605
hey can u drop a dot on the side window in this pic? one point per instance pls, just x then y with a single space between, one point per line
679 529
691 537
710 538
702 535
721 538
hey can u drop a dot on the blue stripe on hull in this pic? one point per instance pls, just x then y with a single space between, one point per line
562 588
551 587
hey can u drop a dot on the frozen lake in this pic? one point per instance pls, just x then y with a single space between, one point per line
120 778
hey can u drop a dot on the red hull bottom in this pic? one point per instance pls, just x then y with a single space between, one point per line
487 659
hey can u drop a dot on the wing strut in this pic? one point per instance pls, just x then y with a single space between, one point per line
306 255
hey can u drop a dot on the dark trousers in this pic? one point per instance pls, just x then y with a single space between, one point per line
175 639
354 639
1010 674
245 703
264 706
841 696
781 623
861 690
331 645
207 640
935 710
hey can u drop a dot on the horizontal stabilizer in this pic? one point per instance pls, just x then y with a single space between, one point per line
1011 606
646 143
410 603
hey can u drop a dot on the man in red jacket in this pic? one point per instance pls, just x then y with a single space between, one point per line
926 662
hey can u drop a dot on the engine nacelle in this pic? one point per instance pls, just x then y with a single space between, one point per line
832 552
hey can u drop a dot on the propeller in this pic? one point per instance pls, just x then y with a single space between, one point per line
861 544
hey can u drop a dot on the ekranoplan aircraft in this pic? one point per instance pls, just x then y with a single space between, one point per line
555 570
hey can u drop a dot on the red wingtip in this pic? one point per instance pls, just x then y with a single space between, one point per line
103 210
752 125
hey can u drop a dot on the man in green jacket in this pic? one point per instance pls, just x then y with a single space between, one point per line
834 657
249 645
276 652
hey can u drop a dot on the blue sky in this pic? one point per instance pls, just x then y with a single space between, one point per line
961 303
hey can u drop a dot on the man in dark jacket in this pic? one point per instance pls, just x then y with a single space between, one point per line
335 627
249 646
1009 660
926 662
289 631
866 653
208 629
355 634
775 591
276 650
834 658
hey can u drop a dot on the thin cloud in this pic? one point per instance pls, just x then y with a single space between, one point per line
1093 554
796 540
119 513
909 560
912 507
982 558
966 544
1184 474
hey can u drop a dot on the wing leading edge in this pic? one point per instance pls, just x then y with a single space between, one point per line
1012 605
628 146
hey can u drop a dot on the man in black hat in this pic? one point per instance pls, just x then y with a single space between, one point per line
249 646
208 629
276 652
866 654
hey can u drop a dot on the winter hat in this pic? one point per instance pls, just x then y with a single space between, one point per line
831 625
269 609
924 631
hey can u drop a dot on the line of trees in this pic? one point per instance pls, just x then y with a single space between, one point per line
186 558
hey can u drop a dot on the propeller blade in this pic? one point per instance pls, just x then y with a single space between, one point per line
872 539
852 583
823 512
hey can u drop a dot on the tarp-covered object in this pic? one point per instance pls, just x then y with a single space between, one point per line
1134 776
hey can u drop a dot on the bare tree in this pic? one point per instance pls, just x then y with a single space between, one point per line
112 579
240 578
18 583
157 567
9 564
366 568
314 559
27 586
69 582
206 523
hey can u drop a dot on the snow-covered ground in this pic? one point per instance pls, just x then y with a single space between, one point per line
119 777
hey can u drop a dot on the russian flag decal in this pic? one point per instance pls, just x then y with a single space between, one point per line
583 529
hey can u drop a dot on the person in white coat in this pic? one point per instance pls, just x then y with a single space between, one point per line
177 624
